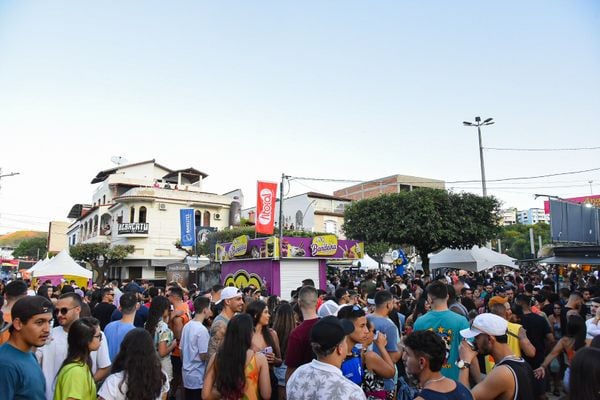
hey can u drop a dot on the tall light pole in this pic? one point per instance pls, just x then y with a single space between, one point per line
479 124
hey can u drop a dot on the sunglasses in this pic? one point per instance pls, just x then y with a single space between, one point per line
63 311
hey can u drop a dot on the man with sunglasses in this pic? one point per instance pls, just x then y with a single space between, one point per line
52 355
103 311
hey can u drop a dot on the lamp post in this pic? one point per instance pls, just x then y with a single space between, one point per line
479 124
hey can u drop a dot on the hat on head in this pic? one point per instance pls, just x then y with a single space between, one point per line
330 331
229 293
330 307
27 307
497 300
489 324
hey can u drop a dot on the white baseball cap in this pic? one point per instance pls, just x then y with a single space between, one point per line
229 293
487 323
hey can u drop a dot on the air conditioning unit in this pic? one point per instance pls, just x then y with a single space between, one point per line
217 216
162 206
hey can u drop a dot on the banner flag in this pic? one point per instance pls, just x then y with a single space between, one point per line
188 227
265 207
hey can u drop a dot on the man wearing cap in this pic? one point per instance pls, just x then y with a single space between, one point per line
322 378
232 302
511 378
20 375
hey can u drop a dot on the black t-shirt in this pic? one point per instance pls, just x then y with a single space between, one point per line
102 312
537 328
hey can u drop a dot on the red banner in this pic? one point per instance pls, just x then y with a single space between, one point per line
265 207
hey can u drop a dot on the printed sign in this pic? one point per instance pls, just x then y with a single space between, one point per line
265 207
188 227
325 245
133 228
238 247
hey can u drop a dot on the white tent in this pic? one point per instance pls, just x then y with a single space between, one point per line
39 265
62 264
475 259
365 263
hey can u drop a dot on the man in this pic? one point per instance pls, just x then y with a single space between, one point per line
593 324
573 307
517 336
103 310
194 349
510 294
384 303
424 355
179 318
322 378
13 291
445 323
141 315
115 331
368 286
454 304
299 350
466 298
342 296
117 293
20 375
511 378
52 355
232 303
539 334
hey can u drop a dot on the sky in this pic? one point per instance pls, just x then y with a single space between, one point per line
246 91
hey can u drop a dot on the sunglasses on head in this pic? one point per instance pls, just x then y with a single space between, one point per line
63 310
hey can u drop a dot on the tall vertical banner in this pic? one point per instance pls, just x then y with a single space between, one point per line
188 227
265 207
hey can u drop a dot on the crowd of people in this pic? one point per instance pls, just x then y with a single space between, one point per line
500 334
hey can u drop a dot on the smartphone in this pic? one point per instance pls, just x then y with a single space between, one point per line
471 345
375 334
268 350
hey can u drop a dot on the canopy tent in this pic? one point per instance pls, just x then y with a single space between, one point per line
365 263
38 265
475 259
63 266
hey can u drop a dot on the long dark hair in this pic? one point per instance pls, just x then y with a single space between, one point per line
231 357
284 323
81 334
255 309
585 375
419 308
576 329
43 291
140 365
157 309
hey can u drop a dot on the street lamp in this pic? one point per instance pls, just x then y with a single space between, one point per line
479 124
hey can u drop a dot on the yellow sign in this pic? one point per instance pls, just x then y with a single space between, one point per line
238 247
242 279
326 245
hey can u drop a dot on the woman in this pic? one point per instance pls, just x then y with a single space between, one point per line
421 308
236 371
74 379
136 373
585 379
47 292
377 367
554 319
284 322
157 326
265 340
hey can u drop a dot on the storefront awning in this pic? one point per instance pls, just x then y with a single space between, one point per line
571 260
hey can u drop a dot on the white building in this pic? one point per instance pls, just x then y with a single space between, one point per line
532 216
314 212
508 217
138 204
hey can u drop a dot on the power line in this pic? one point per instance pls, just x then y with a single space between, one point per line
540 149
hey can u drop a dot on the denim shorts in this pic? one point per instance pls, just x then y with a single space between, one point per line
280 374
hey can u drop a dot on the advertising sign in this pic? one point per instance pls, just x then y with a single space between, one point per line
238 247
188 227
591 199
265 207
133 228
325 245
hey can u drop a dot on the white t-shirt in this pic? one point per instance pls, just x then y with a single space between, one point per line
318 380
112 389
194 341
52 355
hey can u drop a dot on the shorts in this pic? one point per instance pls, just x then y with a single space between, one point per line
280 374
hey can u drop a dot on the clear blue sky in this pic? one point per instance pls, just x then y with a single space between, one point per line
248 90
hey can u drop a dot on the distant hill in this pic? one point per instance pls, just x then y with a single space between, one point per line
14 238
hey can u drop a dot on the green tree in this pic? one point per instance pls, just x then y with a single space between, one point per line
91 252
31 248
515 239
428 219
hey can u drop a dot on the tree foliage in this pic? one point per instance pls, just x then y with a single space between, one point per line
91 252
515 239
31 248
428 219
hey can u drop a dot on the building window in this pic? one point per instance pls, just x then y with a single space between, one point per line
142 217
131 215
206 219
198 218
103 199
330 226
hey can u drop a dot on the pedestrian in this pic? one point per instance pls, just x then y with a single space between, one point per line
585 375
194 349
20 375
103 310
74 379
178 319
230 299
164 340
284 322
236 371
136 373
116 330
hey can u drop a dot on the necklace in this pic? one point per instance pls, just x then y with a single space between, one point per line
427 382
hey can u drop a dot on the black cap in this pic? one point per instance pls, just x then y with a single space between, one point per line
28 306
330 331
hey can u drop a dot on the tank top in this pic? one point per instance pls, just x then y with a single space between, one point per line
513 343
251 372
523 375
460 392
186 318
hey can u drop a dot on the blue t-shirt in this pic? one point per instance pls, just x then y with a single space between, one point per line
141 316
385 325
352 367
460 392
115 332
448 325
21 377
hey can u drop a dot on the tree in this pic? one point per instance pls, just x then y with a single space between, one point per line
515 239
31 248
428 219
91 252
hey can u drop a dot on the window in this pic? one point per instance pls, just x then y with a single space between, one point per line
299 219
330 226
131 215
206 218
103 199
142 217
198 218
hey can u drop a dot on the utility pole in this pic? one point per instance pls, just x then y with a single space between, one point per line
479 124
283 178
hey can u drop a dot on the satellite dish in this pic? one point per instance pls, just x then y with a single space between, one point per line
118 160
